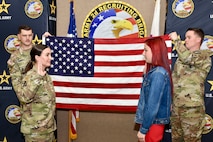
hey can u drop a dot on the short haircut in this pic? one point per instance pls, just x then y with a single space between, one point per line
24 27
198 32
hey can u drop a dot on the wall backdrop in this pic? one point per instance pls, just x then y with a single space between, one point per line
41 16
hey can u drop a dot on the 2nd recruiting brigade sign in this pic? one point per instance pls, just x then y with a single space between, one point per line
114 19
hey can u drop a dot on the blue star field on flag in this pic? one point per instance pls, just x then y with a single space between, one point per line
72 56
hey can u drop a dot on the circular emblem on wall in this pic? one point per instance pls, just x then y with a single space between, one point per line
11 43
114 19
183 8
33 8
13 114
207 42
209 124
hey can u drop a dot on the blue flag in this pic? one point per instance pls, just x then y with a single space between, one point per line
72 31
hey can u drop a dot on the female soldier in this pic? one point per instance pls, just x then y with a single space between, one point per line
37 97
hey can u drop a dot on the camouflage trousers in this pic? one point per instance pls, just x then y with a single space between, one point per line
187 123
40 138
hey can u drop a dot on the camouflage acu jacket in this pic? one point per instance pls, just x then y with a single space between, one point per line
37 97
189 74
16 65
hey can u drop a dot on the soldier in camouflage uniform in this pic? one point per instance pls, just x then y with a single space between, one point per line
19 58
37 96
189 74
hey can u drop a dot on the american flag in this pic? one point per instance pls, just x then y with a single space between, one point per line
97 74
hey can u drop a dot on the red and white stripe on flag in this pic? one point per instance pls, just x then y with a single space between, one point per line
73 117
117 78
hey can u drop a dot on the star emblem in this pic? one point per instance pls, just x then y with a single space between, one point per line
210 82
174 48
4 7
4 78
53 8
36 40
5 139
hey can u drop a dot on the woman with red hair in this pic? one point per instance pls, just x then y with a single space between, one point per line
153 111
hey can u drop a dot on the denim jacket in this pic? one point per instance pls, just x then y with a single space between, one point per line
155 99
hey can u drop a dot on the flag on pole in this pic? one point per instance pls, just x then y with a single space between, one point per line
155 29
72 126
72 32
98 74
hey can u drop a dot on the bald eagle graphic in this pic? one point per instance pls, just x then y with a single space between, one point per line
113 27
